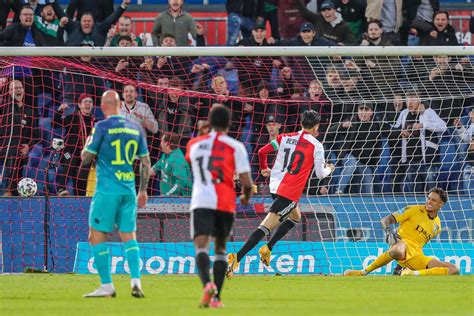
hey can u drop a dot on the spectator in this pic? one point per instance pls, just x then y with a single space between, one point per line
174 170
231 76
125 29
37 6
389 12
137 111
319 103
270 14
241 18
100 9
419 128
77 127
51 27
176 112
87 30
361 148
329 23
23 33
467 138
353 13
289 17
127 67
375 35
261 109
307 37
471 23
440 32
418 14
18 134
177 22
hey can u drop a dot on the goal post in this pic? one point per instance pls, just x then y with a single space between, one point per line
396 121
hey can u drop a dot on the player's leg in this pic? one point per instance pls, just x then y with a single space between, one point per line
287 224
396 252
101 222
224 222
202 230
126 221
432 267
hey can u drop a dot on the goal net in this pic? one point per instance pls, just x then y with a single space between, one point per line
395 123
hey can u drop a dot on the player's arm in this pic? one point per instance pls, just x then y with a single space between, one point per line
92 146
391 236
322 169
145 166
87 158
244 171
264 152
247 188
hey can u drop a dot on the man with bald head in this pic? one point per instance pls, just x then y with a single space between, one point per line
114 143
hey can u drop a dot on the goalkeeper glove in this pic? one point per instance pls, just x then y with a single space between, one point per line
391 236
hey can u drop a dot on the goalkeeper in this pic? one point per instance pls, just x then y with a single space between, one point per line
418 225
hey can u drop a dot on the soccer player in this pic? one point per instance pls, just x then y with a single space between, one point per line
214 158
115 142
418 225
298 154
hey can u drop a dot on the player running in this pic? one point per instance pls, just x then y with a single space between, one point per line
214 158
116 142
298 154
418 225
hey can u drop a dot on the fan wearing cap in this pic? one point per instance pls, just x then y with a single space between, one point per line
77 127
361 138
307 37
328 23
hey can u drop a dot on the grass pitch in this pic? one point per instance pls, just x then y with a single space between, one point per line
41 294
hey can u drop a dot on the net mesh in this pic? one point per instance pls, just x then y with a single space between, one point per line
393 126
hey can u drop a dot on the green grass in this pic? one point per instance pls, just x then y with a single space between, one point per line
44 294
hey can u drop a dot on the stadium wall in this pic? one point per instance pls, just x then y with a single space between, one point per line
24 229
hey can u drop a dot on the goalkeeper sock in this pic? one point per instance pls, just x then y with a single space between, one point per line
203 264
282 230
102 262
382 260
433 271
132 253
253 240
220 267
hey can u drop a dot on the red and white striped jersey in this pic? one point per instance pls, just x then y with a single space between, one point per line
298 153
214 159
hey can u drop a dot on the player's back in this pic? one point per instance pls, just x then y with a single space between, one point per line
214 159
294 163
120 142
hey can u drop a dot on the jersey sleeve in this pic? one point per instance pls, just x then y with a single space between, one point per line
94 140
241 159
142 146
404 214
319 162
276 142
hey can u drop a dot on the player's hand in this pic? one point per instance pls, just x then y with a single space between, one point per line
266 172
391 236
331 166
142 199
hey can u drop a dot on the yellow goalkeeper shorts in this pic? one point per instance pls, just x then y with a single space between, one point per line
414 258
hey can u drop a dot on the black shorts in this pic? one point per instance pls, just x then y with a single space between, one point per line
281 205
211 223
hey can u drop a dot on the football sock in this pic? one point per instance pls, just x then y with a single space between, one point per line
253 240
132 253
102 262
282 230
433 271
220 267
382 260
203 264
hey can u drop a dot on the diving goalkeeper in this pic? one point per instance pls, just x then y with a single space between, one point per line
418 225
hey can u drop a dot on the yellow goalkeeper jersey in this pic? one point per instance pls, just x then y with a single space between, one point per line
415 225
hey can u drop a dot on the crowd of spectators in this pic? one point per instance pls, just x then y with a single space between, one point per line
390 124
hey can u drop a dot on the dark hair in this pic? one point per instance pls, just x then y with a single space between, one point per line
176 82
173 139
27 6
88 13
126 17
219 117
167 35
124 37
442 194
310 119
376 21
441 12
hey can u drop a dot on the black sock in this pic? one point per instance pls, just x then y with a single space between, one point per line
282 230
220 267
203 264
253 240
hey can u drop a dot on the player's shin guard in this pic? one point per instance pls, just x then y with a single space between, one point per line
282 230
132 253
220 267
381 261
102 262
203 264
253 240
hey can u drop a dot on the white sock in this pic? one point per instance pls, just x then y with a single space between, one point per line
416 273
137 282
364 272
109 287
